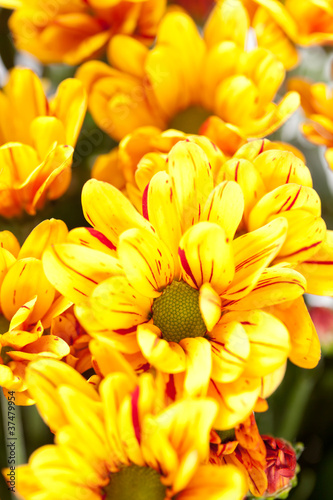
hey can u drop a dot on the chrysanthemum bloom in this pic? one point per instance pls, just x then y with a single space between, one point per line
185 78
268 173
175 287
122 443
28 303
37 137
281 25
73 31
317 104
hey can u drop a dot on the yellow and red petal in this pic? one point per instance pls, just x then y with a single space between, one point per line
318 269
252 253
118 306
225 206
146 260
200 252
160 208
276 284
109 211
77 270
192 180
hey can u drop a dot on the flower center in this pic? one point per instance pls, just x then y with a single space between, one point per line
137 482
190 119
177 314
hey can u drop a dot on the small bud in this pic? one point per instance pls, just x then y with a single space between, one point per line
281 466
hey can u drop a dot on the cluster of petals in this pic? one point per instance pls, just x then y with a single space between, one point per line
73 31
28 304
37 137
184 70
274 179
280 26
125 427
249 294
317 104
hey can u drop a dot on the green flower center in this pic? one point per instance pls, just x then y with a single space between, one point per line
190 119
135 482
177 314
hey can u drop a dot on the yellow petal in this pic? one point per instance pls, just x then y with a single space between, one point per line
166 356
236 400
209 481
192 180
69 106
24 280
75 270
109 211
109 360
271 382
225 206
210 305
305 345
198 365
228 21
200 252
46 133
128 55
267 353
46 233
230 351
147 262
9 242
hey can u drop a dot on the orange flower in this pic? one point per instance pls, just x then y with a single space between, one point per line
28 302
281 25
189 77
37 137
317 104
73 31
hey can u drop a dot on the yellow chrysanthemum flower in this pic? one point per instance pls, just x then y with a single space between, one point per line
261 168
281 25
212 74
317 104
28 303
73 31
37 137
176 288
122 443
